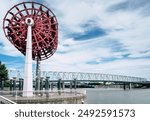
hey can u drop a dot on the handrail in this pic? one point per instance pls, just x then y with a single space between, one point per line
4 100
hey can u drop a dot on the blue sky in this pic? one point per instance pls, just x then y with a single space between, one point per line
103 36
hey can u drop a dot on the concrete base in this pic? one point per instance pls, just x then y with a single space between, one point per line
72 99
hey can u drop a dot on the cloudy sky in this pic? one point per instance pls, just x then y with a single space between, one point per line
103 36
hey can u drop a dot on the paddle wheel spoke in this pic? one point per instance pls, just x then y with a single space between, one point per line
44 30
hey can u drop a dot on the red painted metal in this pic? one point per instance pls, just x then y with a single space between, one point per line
44 30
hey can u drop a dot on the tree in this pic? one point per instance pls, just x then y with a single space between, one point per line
3 71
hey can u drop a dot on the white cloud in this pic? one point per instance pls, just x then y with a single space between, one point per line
8 48
128 27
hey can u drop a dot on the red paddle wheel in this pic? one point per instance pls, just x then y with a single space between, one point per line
44 30
33 29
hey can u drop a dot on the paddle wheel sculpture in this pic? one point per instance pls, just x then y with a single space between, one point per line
33 29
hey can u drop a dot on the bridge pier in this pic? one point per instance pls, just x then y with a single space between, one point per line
130 86
124 86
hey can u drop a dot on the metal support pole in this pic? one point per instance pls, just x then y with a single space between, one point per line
14 84
47 86
11 83
1 84
28 80
20 84
47 83
70 84
59 84
51 86
2 87
3 81
41 84
75 83
63 85
38 75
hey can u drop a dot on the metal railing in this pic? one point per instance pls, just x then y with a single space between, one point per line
4 100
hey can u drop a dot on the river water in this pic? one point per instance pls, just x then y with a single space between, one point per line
117 96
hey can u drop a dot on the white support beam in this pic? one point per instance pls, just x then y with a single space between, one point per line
28 80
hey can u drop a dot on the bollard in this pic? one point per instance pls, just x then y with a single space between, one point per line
36 85
14 87
62 85
59 84
75 83
51 86
70 84
11 84
47 84
20 84
14 84
41 84
1 84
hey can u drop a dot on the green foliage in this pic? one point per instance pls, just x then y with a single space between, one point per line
3 71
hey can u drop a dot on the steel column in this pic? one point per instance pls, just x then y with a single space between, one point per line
28 80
